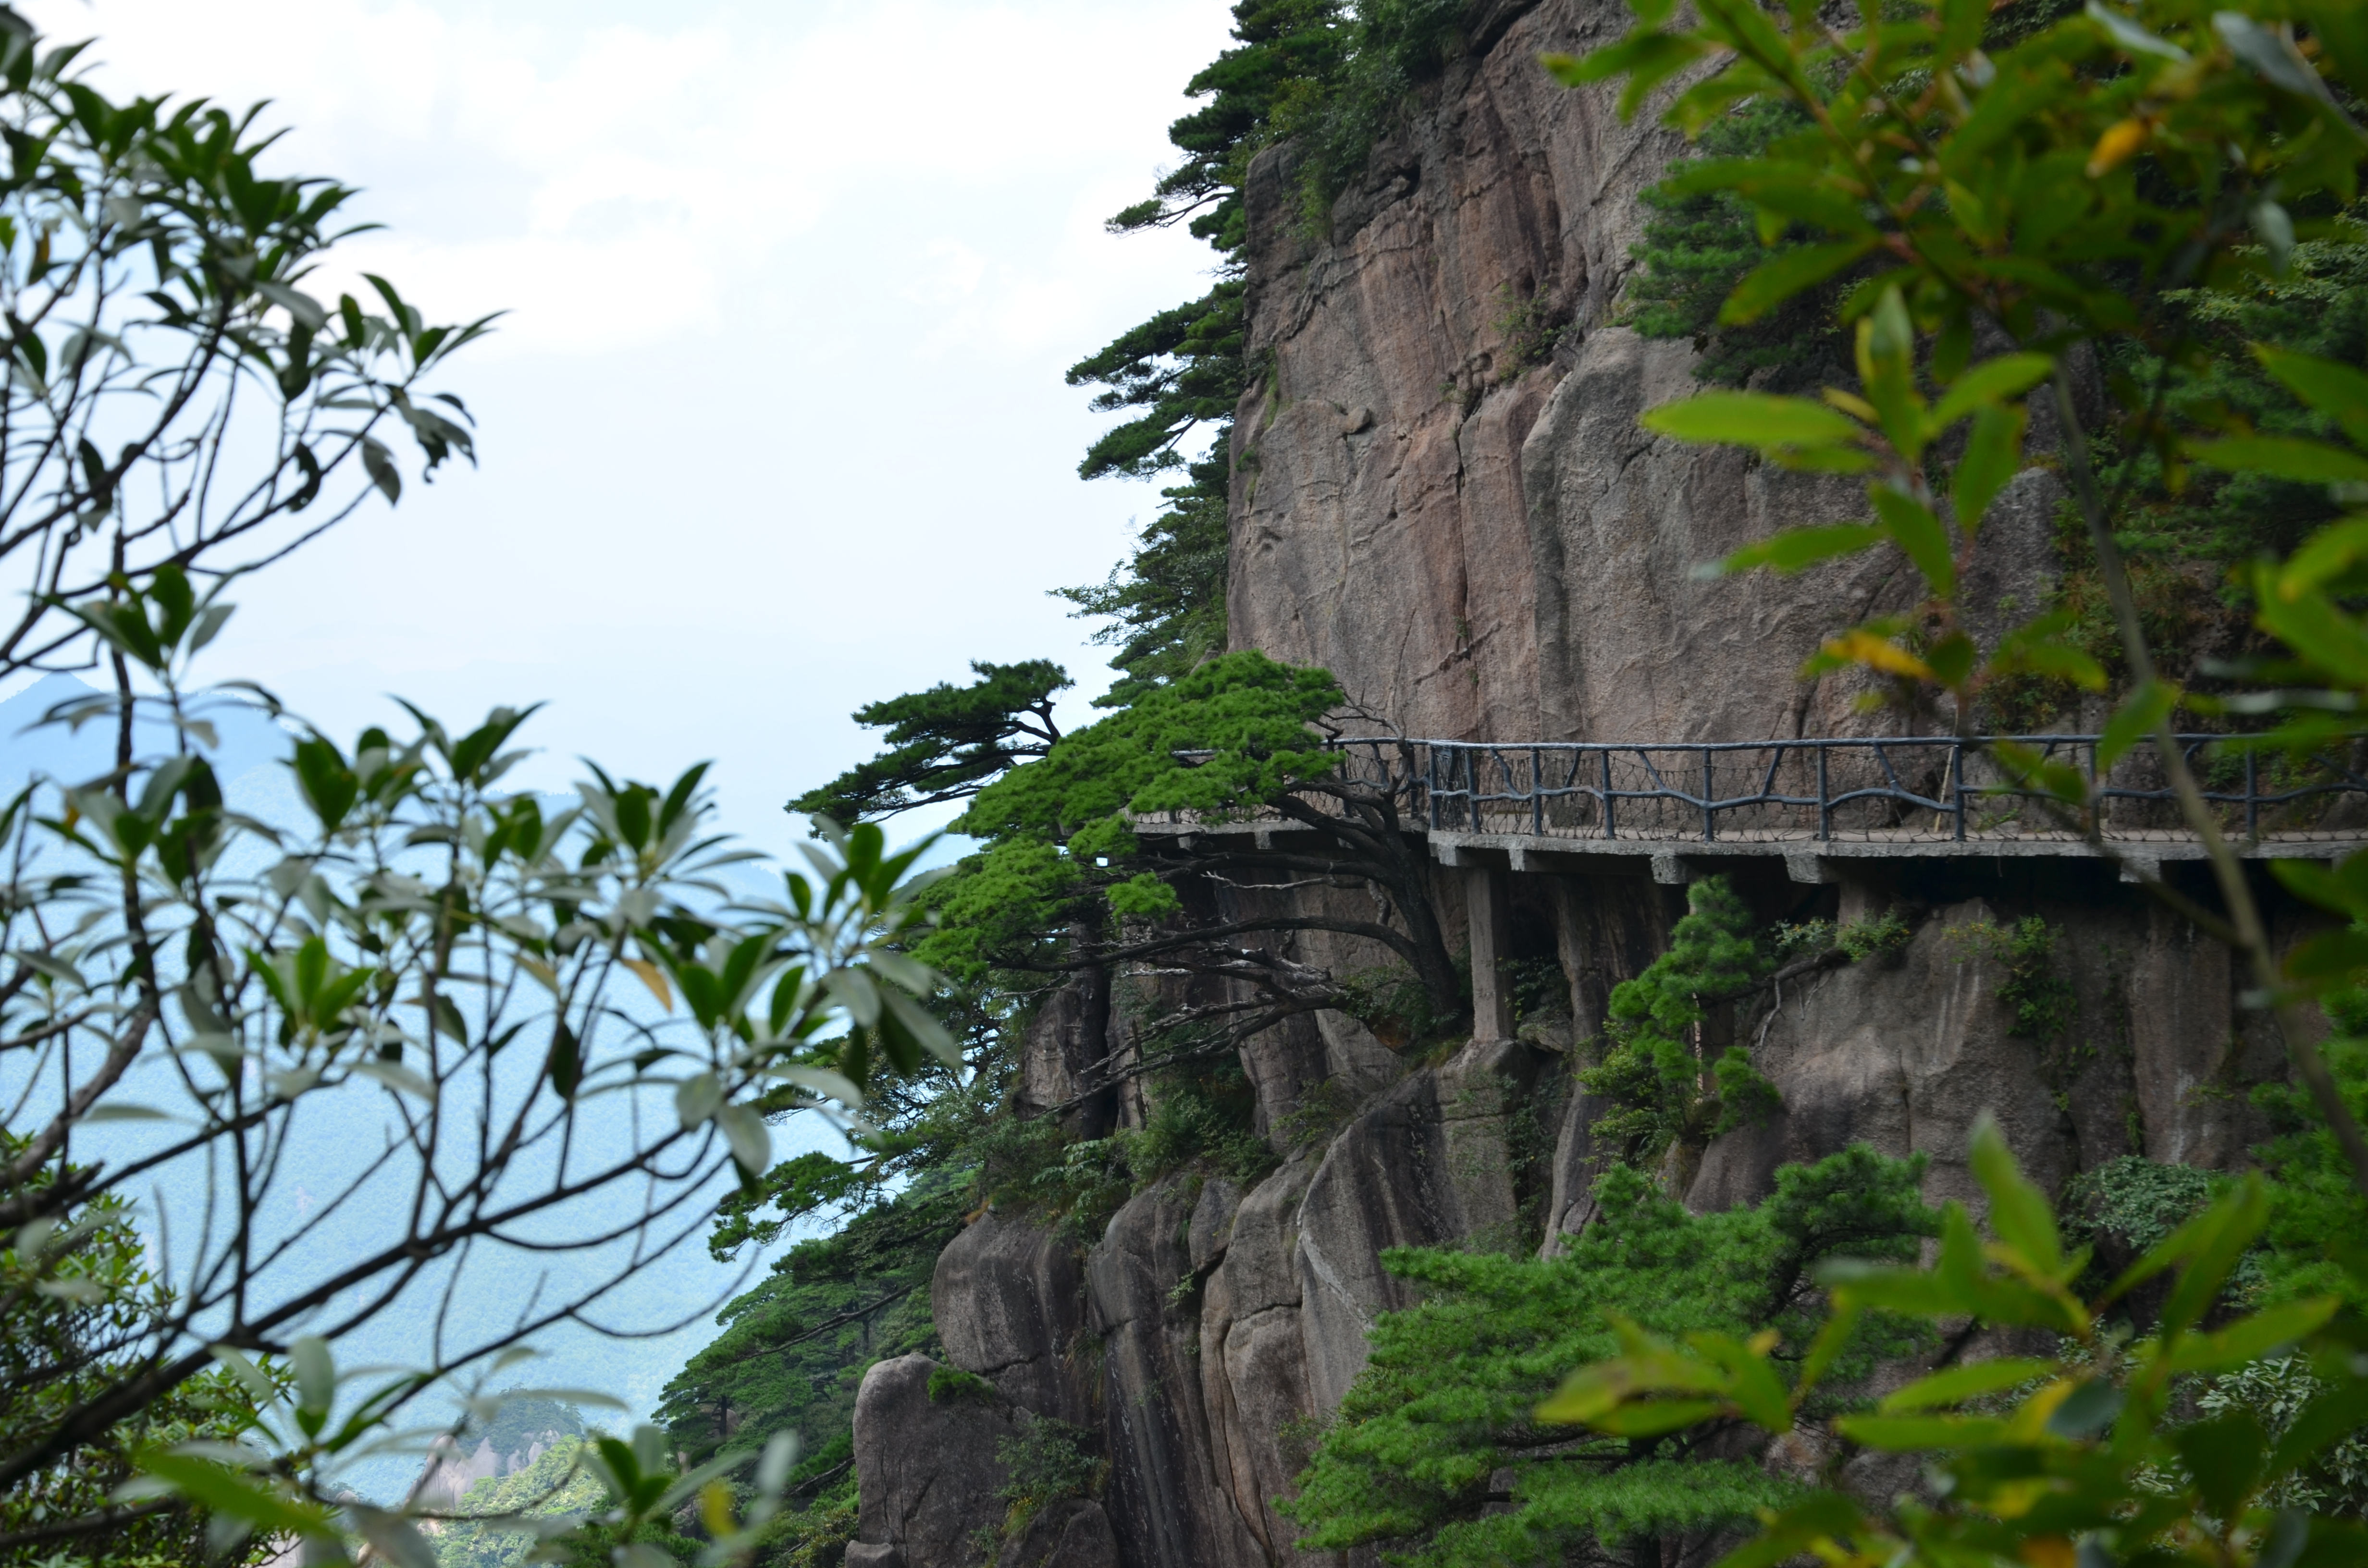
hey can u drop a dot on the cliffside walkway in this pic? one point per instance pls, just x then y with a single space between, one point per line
1574 805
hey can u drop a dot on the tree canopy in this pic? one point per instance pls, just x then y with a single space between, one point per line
945 744
1066 879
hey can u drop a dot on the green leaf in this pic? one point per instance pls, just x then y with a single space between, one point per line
821 1081
1788 273
1797 548
697 1098
854 991
2271 53
2130 38
2222 1456
1751 419
751 1141
2327 1420
250 1376
2285 457
1951 658
395 1075
380 465
393 1537
1832 1339
925 1030
1958 1384
2140 714
316 1374
221 1490
1917 531
2326 555
565 1063
2020 1212
1989 384
2329 386
1651 1418
2265 1333
2038 647
2087 1410
2310 624
2209 1246
1993 457
116 1110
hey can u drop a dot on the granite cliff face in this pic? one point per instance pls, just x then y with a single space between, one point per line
1207 1331
1440 493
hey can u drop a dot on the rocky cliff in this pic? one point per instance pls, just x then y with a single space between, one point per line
1440 493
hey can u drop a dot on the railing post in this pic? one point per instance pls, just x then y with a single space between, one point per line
1537 796
1610 829
2252 795
1431 788
2096 801
1709 828
1958 770
1824 804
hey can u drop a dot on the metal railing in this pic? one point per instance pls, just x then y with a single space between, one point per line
1935 788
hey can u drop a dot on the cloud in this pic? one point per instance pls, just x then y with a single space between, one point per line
777 425
564 171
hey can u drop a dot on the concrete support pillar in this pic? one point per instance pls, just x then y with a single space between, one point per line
1491 921
1868 887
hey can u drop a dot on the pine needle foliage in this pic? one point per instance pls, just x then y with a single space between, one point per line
1327 77
1654 1066
1222 741
945 744
1446 1403
1697 245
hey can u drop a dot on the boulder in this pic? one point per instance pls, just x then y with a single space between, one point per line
1072 1533
1165 1504
927 1470
1253 1360
1009 1299
1383 1183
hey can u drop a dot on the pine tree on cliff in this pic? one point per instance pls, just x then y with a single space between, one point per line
1178 375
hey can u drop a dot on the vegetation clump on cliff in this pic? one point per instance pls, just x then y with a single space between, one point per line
1436 1449
1326 75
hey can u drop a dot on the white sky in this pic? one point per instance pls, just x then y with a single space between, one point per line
777 423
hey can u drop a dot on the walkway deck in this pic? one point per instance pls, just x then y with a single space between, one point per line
1819 803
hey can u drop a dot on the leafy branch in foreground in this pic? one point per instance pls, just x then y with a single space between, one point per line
474 1021
2079 1455
2075 187
176 398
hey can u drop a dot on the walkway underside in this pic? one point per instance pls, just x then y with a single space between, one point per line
1806 858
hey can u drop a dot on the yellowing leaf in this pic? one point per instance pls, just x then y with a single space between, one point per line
715 1509
2048 1552
654 977
1877 653
2117 146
